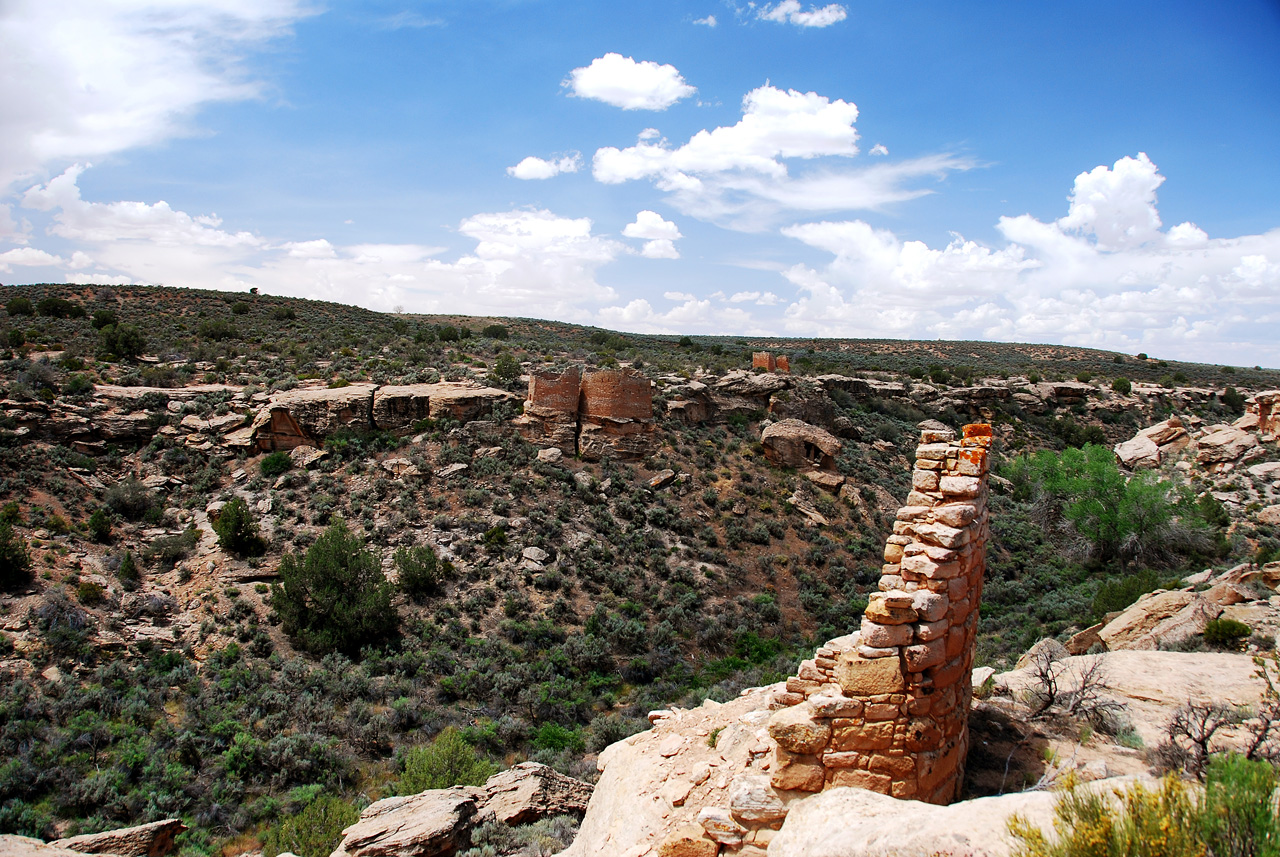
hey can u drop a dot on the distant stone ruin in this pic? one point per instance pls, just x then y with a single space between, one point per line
605 413
769 362
1266 407
887 708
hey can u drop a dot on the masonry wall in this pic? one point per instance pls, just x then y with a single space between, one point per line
1266 406
556 391
767 361
620 394
886 709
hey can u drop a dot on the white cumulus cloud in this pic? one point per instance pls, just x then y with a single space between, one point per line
709 21
623 82
879 149
86 78
661 235
537 168
740 175
791 12
1104 275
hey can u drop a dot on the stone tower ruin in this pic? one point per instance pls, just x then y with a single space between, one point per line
887 709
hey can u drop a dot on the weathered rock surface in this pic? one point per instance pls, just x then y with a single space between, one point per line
439 822
792 443
25 846
1138 453
147 840
850 822
531 791
423 825
1159 616
1225 445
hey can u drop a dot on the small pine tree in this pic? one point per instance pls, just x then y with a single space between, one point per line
100 526
335 597
128 572
237 530
15 559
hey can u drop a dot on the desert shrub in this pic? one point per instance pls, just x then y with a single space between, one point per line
1224 633
419 571
59 308
15 558
19 306
89 593
128 571
78 385
167 550
217 329
1233 400
335 597
129 498
506 369
495 331
1158 822
1236 817
104 318
1122 386
283 313
275 464
447 761
16 338
237 530
239 308
124 341
314 832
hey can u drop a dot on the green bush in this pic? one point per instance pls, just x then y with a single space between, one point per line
78 385
239 308
419 571
237 530
15 558
59 308
104 318
1236 817
1226 633
16 338
275 464
335 597
505 369
89 593
217 329
1122 386
129 498
167 550
495 331
128 571
100 526
19 306
123 341
447 761
314 832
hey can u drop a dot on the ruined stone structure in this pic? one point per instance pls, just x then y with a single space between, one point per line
793 443
886 709
602 413
770 362
1266 407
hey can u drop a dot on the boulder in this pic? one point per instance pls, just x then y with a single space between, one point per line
1046 648
25 846
853 822
792 443
146 840
1225 445
1138 453
432 823
1166 433
531 791
1159 616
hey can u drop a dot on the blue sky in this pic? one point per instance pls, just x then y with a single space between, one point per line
1100 174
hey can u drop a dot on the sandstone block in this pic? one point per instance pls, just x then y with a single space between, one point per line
921 564
925 480
860 676
886 610
927 631
753 800
960 486
799 772
941 534
873 653
863 736
924 655
844 759
955 514
835 706
913 513
719 824
936 451
877 711
898 767
923 736
688 840
858 779
933 552
930 606
797 731
884 636
892 552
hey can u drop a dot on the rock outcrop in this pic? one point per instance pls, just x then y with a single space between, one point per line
439 821
147 840
1265 407
1225 445
793 443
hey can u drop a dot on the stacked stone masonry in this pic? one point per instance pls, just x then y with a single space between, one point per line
608 413
1266 407
770 362
886 708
